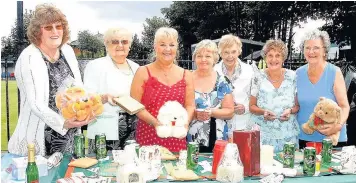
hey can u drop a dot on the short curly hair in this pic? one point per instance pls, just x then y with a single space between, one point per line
277 45
46 14
229 40
207 44
317 34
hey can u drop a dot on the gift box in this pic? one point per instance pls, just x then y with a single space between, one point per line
19 166
248 143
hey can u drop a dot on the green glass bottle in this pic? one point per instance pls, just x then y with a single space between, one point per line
32 175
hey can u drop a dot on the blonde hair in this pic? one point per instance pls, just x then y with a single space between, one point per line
114 31
165 33
207 44
277 45
228 41
46 14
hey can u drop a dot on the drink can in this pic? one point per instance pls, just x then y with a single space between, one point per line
326 153
309 161
100 146
288 155
192 152
79 151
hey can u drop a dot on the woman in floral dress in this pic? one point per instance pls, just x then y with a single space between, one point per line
273 98
157 83
213 99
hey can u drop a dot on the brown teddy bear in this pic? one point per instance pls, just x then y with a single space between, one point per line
326 111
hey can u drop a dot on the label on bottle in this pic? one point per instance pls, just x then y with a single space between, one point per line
34 181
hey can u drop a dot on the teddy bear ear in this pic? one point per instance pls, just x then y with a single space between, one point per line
322 98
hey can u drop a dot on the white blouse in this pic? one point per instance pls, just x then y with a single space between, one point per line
101 76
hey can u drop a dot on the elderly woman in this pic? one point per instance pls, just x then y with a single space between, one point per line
213 98
111 76
324 80
273 100
40 70
240 75
159 82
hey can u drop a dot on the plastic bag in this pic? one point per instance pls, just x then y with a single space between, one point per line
230 168
74 102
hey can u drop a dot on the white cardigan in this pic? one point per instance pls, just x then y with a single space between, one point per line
32 80
102 77
241 94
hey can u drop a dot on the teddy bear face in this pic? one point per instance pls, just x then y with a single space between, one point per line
173 116
327 110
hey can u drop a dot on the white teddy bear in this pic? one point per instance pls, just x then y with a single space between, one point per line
173 117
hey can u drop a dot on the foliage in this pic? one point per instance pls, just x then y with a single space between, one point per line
136 49
90 42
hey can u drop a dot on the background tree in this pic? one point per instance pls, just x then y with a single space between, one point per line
90 42
136 51
149 28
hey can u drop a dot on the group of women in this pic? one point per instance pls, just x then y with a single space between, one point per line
220 97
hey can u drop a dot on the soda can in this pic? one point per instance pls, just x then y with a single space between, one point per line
100 146
326 152
193 152
288 155
309 161
79 151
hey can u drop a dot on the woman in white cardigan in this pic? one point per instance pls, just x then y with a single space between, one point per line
40 70
240 75
111 76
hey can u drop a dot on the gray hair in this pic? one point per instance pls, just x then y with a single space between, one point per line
112 32
229 40
207 44
317 34
275 45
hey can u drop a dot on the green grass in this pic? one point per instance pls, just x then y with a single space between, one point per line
13 114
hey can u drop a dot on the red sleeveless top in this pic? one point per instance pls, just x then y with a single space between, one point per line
154 96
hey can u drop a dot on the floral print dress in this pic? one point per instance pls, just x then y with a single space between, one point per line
199 131
276 133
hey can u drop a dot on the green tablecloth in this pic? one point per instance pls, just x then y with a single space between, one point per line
59 172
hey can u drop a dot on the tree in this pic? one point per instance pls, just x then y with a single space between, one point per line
11 45
149 30
89 42
136 51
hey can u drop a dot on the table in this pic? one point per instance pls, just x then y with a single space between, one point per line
62 170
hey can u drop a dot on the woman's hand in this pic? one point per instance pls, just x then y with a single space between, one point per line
269 116
203 115
285 115
239 109
156 123
329 129
108 98
73 123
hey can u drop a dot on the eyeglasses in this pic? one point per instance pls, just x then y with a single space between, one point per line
123 42
51 27
226 53
314 49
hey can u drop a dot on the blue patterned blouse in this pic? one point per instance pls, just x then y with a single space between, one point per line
199 131
276 132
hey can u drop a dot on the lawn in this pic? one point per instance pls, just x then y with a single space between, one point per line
13 114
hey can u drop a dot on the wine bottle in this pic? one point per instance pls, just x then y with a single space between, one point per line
32 175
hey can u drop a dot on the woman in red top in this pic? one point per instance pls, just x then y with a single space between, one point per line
159 82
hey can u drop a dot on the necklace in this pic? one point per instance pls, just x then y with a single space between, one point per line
126 73
277 80
165 73
50 59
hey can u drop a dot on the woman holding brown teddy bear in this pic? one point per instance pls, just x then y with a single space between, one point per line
318 79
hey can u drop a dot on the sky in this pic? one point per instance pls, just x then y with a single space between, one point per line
98 16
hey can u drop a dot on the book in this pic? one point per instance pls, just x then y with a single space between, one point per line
129 104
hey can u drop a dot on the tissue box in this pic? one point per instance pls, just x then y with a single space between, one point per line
248 143
19 167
